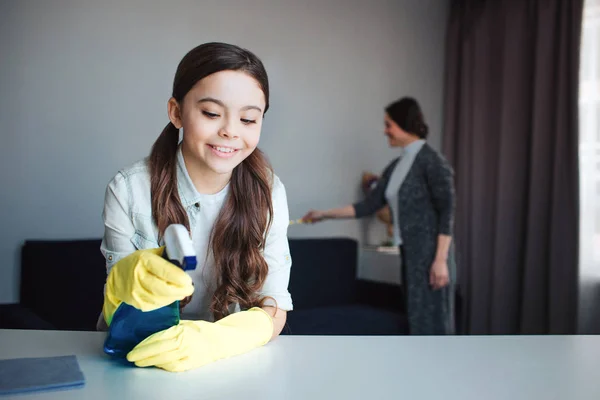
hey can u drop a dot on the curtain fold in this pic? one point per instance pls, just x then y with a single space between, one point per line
511 133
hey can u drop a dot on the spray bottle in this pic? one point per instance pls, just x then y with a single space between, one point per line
129 326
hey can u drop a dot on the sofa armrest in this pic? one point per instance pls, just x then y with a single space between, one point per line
17 316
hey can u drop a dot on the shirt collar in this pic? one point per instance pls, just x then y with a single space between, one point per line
414 147
187 191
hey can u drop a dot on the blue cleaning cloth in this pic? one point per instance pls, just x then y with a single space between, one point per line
21 375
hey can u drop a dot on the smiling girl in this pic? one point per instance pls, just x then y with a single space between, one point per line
217 183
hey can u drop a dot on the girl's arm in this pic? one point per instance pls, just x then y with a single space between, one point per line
279 318
118 229
277 256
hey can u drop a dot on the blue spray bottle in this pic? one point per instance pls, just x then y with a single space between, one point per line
129 326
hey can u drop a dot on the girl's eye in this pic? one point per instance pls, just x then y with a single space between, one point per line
248 121
209 114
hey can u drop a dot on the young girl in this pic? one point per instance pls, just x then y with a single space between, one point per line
220 186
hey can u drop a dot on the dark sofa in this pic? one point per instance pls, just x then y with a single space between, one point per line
62 284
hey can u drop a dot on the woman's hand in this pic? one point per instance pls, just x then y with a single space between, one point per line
313 216
439 275
335 213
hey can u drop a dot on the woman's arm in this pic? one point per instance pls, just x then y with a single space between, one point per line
334 213
376 199
443 245
374 202
440 178
439 274
440 181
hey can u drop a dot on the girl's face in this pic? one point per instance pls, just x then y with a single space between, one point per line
221 118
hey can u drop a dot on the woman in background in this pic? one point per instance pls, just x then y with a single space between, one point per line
418 186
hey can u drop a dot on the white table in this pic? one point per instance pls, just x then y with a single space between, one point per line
311 367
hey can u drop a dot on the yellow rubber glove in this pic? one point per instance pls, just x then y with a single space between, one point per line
192 344
145 281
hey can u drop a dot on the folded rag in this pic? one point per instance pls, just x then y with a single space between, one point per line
21 375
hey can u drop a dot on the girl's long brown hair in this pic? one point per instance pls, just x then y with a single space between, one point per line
238 236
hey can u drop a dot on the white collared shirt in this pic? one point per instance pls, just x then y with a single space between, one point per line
129 227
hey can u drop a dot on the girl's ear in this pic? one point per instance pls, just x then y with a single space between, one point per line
174 112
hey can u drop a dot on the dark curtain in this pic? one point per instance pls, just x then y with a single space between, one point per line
511 133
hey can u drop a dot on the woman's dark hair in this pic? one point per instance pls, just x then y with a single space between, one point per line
406 112
238 236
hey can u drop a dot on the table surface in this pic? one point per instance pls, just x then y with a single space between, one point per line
339 367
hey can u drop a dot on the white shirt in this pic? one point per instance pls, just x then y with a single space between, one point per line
407 157
129 226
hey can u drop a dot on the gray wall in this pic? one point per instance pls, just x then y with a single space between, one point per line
84 86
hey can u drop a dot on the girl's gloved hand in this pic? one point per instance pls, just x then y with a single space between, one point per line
192 344
145 281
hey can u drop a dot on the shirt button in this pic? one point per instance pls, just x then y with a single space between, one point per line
197 205
110 258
